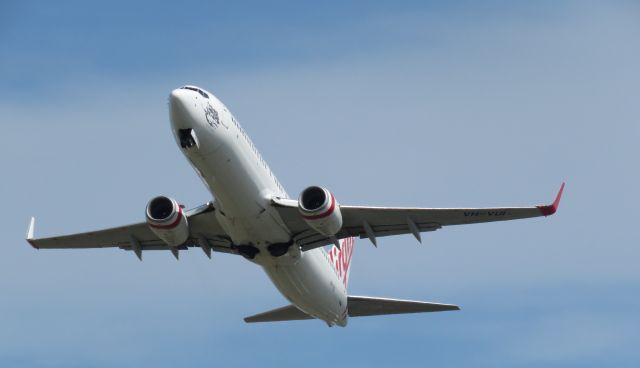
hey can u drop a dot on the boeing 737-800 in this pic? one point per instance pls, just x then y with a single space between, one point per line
252 216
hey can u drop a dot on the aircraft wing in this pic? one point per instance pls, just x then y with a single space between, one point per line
374 222
205 230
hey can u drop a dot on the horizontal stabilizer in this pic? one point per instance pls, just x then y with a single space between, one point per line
288 313
360 306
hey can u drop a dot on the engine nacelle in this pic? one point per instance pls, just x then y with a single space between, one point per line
166 219
320 210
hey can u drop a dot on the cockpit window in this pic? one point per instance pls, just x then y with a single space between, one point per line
201 92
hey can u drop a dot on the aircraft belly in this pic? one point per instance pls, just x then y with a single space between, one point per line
242 200
309 285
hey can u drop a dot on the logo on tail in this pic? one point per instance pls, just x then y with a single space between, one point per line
341 258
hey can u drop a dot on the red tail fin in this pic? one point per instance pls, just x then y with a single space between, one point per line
341 258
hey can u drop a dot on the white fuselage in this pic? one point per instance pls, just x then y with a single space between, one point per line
242 184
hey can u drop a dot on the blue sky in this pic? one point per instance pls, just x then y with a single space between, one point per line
408 104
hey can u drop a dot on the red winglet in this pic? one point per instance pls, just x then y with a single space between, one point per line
552 208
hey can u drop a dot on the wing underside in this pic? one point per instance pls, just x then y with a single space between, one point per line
374 222
205 230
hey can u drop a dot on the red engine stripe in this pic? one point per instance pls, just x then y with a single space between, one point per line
171 225
324 214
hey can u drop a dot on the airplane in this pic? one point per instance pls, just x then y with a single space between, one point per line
252 215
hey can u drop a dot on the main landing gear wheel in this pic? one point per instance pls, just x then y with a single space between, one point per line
247 251
279 249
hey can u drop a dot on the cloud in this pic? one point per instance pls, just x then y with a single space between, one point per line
577 337
423 108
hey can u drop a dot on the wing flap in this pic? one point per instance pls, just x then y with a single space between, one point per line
360 306
288 313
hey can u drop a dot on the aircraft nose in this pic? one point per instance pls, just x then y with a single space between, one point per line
177 100
180 106
175 95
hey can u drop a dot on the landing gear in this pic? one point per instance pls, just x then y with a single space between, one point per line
187 138
247 251
279 249
276 250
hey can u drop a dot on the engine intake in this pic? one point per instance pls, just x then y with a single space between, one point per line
166 219
320 210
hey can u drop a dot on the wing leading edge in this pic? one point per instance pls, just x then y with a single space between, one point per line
373 222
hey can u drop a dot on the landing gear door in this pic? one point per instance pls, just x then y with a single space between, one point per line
188 138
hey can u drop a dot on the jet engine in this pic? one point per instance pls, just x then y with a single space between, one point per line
166 219
320 210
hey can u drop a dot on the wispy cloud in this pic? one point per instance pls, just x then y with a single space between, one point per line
432 106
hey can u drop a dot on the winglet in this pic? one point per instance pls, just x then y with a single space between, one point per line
30 233
549 210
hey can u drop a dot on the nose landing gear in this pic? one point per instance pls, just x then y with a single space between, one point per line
187 138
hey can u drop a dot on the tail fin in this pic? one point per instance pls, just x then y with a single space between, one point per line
341 258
